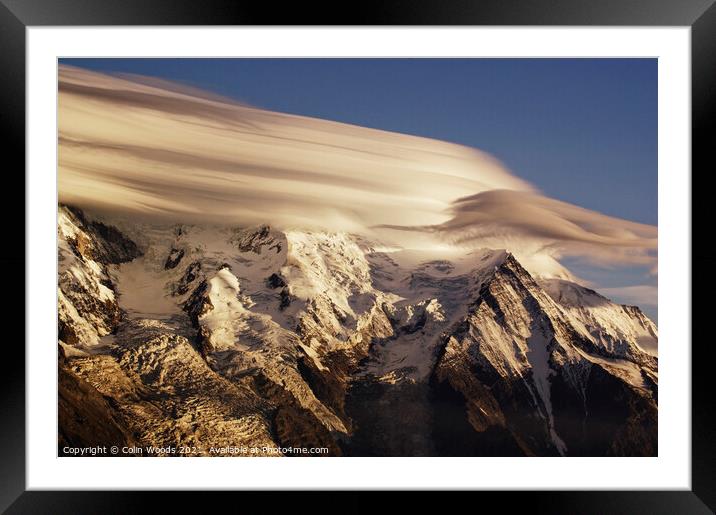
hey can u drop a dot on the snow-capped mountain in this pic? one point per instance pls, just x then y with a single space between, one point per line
201 336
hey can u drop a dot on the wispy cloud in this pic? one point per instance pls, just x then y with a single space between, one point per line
539 227
641 295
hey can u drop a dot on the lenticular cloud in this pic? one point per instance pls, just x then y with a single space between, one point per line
536 227
131 146
153 149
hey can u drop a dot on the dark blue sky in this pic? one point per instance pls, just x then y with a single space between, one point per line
581 130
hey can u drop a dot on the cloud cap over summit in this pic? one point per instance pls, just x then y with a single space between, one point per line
138 146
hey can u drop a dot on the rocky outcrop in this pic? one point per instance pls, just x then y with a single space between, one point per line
87 302
173 258
167 395
86 418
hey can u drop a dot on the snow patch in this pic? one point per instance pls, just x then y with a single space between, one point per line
223 294
141 287
538 357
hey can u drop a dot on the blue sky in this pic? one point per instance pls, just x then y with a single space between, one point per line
581 130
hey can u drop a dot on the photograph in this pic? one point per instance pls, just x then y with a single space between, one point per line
357 257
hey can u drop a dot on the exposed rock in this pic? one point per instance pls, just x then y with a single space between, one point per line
173 258
184 284
275 281
87 302
86 417
96 241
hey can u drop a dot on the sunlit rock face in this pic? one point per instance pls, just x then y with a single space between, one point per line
217 335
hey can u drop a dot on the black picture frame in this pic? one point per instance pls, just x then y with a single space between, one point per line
17 15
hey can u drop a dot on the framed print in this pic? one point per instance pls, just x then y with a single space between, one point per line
439 239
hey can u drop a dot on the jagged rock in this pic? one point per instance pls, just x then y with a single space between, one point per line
173 258
86 418
256 240
95 240
183 285
87 302
285 297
